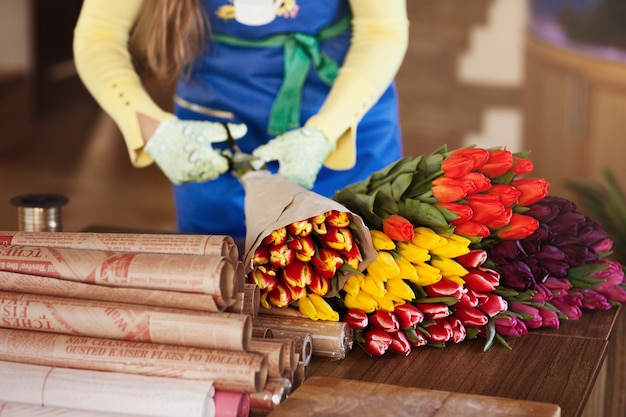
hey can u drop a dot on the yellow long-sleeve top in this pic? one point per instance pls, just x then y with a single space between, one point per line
103 61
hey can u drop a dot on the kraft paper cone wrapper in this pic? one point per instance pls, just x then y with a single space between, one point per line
228 331
329 339
212 275
13 409
211 245
109 392
232 404
272 202
14 281
228 370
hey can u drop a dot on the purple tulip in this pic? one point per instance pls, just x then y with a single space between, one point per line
549 318
510 326
531 316
517 275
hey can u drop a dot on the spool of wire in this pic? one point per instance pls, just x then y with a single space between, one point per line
39 212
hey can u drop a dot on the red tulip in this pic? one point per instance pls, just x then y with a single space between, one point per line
481 181
261 255
501 221
303 247
319 284
458 329
507 193
473 259
521 226
384 320
469 299
492 304
440 332
265 277
472 228
281 256
471 317
339 219
434 311
300 228
463 161
500 161
400 344
521 166
356 318
280 296
482 280
377 342
327 261
462 211
338 238
398 228
298 274
352 257
448 190
485 207
408 315
277 237
445 288
532 190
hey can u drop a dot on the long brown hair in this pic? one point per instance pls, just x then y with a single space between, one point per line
168 35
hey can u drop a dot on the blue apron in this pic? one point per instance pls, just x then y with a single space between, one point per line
240 84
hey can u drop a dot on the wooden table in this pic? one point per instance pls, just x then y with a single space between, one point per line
551 366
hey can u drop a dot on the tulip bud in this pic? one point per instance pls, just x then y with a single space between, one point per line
353 284
471 317
377 342
468 299
356 318
481 280
384 266
521 226
339 219
449 190
361 300
508 194
464 160
327 261
398 228
510 326
296 292
281 256
407 270
280 296
276 238
303 247
492 304
434 311
472 259
381 241
261 256
448 267
300 228
530 315
521 166
408 315
319 285
319 224
399 289
323 309
400 344
307 308
386 302
373 286
338 238
416 338
412 252
532 190
384 320
427 238
472 228
452 249
352 257
427 274
445 288
458 329
298 274
500 161
264 277
439 332
461 212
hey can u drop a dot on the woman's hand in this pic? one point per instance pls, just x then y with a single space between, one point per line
300 154
182 149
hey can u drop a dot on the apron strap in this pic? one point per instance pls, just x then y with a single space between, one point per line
301 50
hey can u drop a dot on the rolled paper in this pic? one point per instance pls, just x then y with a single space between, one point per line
232 404
228 370
276 390
189 244
262 332
298 376
13 409
212 275
33 284
328 338
227 331
109 392
274 352
247 301
291 358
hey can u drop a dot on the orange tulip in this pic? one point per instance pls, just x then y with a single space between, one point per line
532 190
520 227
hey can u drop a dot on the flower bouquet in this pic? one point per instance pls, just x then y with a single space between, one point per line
469 245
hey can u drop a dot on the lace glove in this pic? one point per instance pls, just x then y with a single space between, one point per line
182 149
300 154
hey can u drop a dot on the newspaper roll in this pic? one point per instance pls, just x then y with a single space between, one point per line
231 404
211 245
275 354
248 301
33 284
229 370
228 331
13 409
329 339
276 390
109 392
212 275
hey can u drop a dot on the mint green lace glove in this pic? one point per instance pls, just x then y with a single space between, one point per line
182 149
300 154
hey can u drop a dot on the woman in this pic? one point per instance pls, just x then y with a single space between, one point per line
309 91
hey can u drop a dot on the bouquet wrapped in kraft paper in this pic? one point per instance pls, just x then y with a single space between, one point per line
300 246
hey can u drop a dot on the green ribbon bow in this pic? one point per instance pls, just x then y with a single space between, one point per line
301 50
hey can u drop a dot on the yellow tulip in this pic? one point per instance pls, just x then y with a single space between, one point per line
462 240
449 267
407 270
412 252
361 300
384 267
353 284
323 309
381 241
307 308
427 274
458 280
373 285
386 302
427 238
452 249
400 289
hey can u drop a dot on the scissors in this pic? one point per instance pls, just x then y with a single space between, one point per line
240 162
